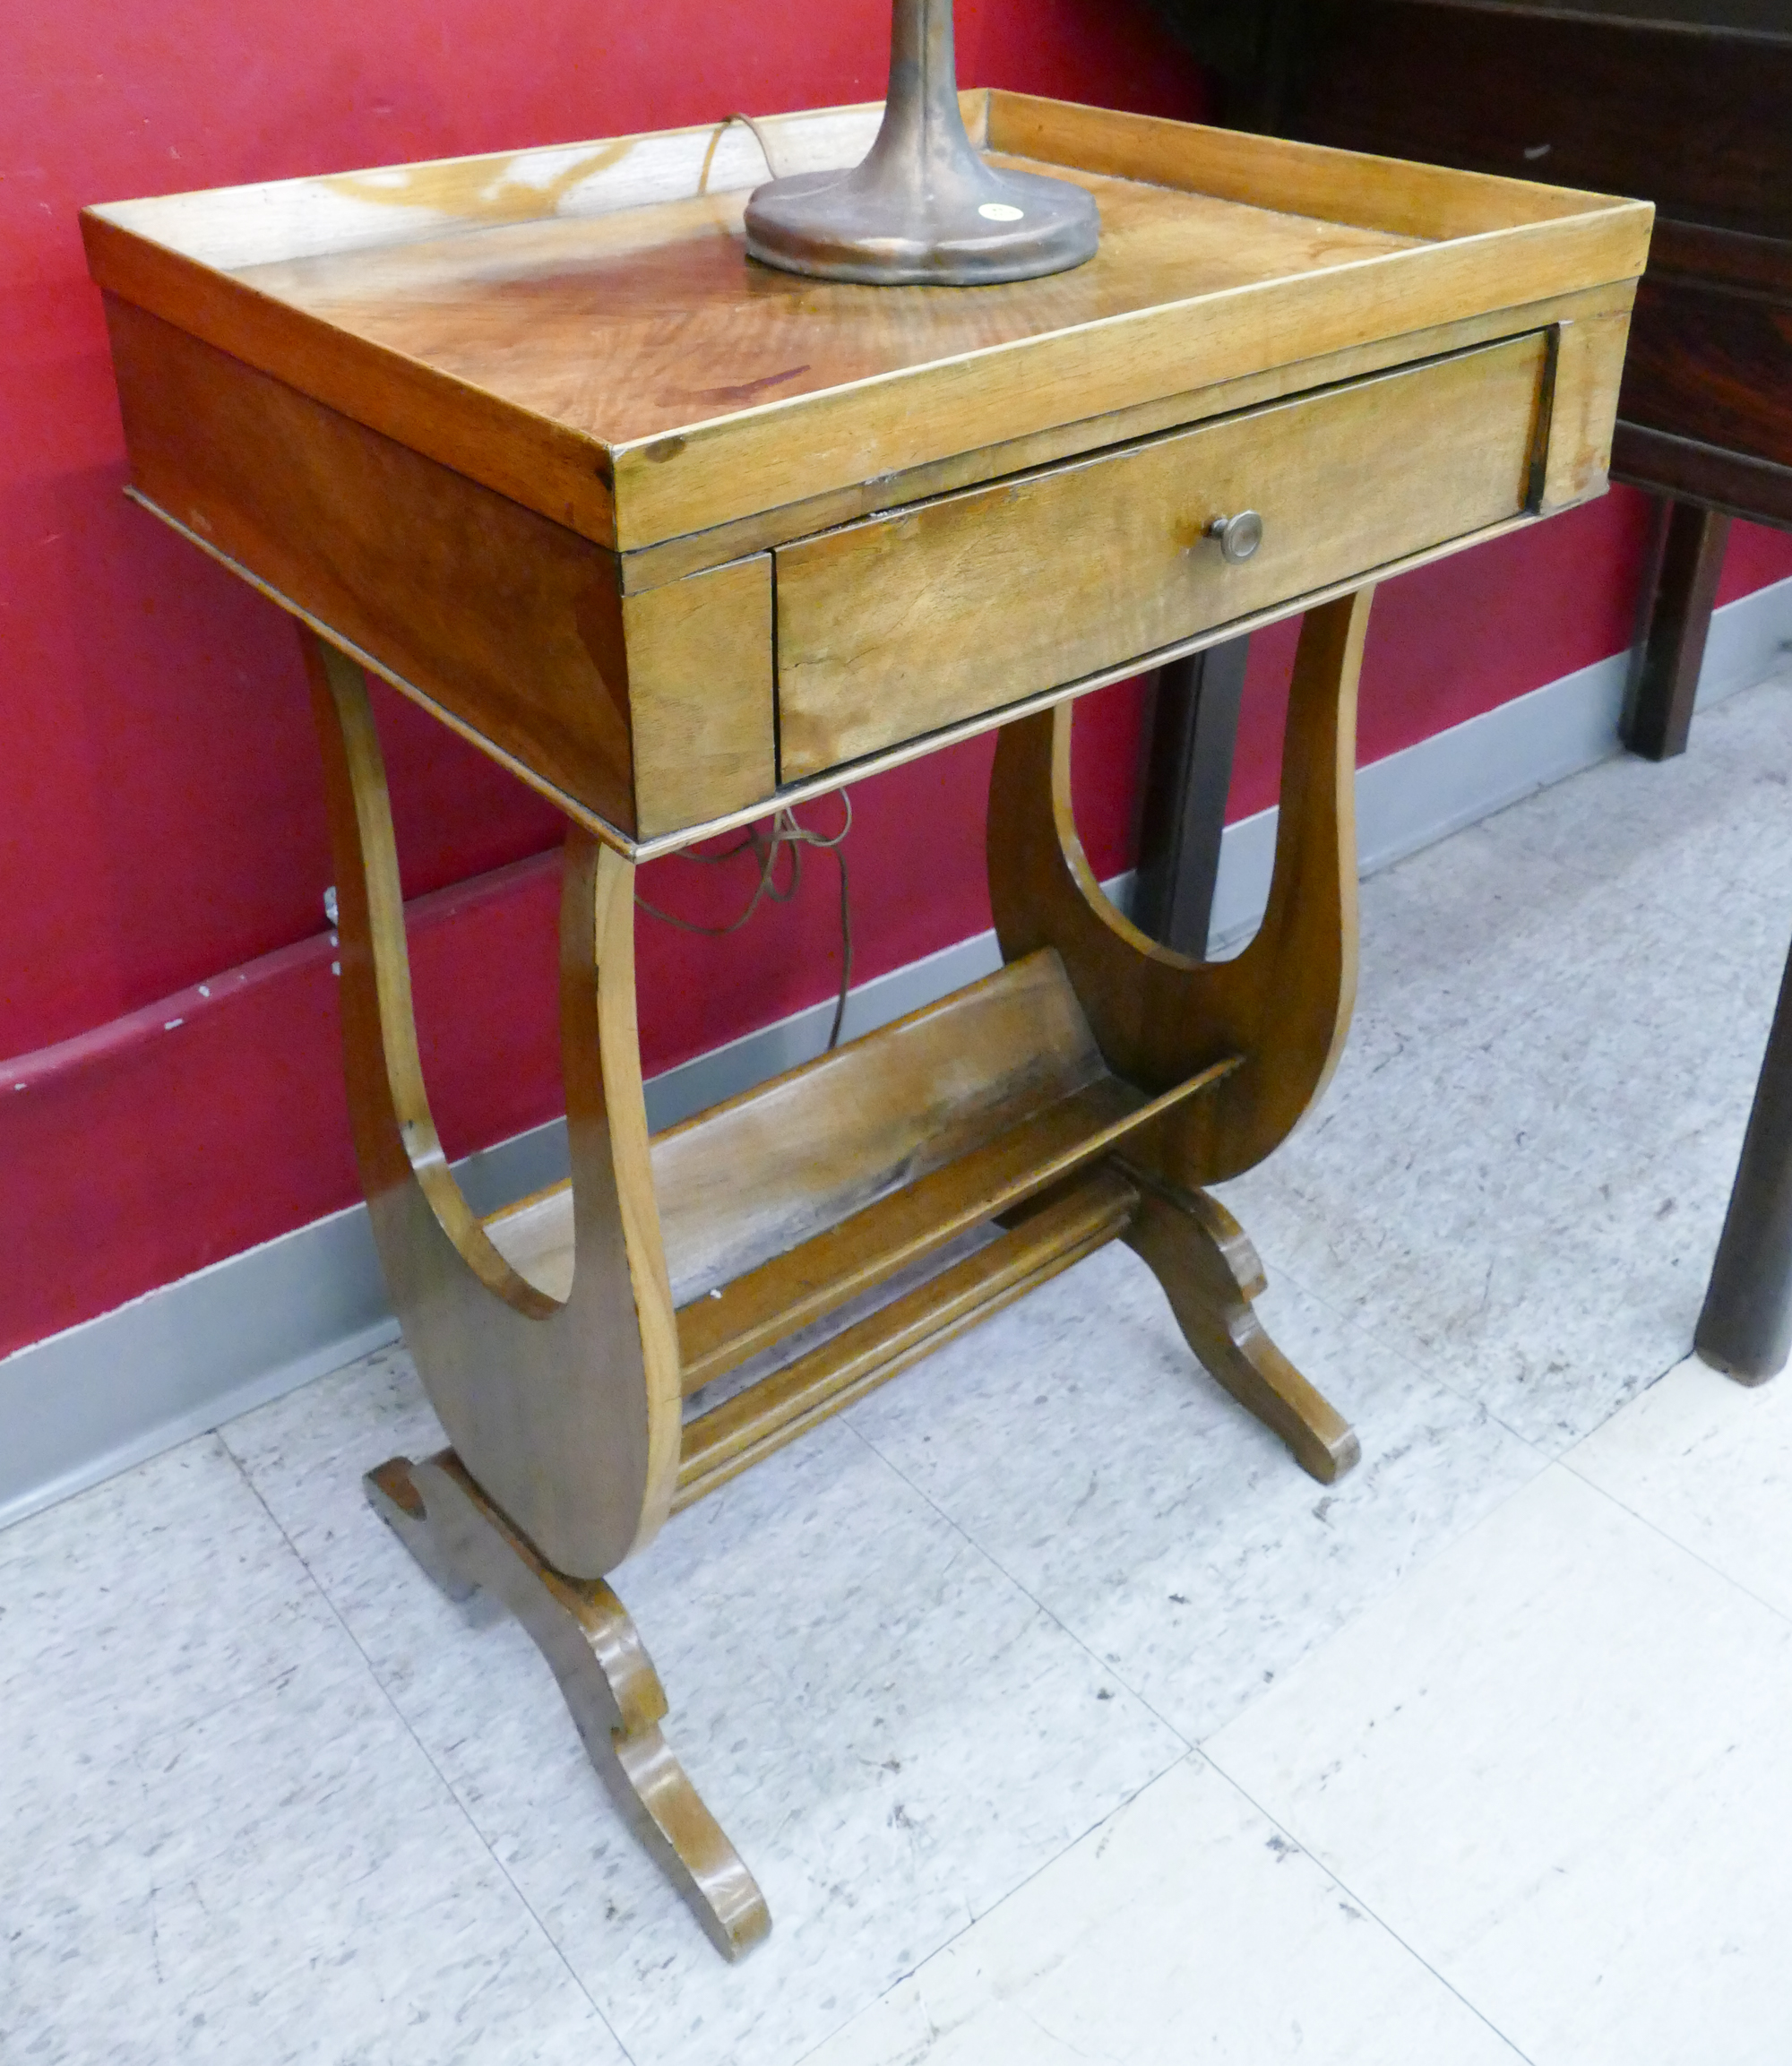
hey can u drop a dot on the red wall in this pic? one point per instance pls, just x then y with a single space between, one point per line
160 819
161 814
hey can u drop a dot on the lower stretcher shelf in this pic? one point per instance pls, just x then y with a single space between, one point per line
1046 1238
851 1180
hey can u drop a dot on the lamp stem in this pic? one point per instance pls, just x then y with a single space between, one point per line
922 140
923 206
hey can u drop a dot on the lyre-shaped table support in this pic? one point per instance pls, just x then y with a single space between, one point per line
1118 1079
1283 1006
568 1408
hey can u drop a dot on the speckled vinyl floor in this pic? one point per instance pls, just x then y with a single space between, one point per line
1059 1715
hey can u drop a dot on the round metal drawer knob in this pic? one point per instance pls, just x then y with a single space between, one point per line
1239 536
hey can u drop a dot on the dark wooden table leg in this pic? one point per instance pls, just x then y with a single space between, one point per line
1747 1326
1689 557
1188 772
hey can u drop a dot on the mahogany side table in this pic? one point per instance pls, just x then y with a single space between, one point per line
682 540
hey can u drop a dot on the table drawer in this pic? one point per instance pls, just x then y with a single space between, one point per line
890 628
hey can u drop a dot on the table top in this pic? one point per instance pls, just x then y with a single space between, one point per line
678 536
578 326
625 327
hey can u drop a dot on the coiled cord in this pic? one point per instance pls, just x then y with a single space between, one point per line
765 846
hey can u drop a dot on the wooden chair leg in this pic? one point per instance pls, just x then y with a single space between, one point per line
1211 1273
609 1680
1685 567
1187 778
1746 1327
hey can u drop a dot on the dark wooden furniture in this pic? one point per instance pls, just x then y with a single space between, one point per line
1188 770
1745 1328
1687 103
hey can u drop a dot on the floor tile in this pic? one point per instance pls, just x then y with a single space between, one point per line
1650 1004
170 1580
1631 864
139 1608
1076 1440
1429 923
1549 1300
219 1840
1187 1928
285 1880
1554 1762
1718 812
894 1735
1517 1177
1709 1463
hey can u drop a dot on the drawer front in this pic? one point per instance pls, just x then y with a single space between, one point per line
895 626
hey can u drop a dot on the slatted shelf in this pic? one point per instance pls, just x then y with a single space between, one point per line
1046 1238
849 1178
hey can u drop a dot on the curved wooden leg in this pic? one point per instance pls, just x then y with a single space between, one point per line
566 1411
1283 1006
562 1403
1278 1013
1211 1273
584 1631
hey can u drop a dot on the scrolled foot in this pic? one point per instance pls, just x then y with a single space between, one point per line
603 1670
1211 1273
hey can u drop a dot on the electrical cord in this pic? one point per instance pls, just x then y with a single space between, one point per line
722 128
765 846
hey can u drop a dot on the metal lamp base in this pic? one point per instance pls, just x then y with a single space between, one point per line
835 225
923 209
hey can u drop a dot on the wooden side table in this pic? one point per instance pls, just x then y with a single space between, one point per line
681 540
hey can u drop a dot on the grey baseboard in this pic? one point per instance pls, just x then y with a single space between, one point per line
100 1397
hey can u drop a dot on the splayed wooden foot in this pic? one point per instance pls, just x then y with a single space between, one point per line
1211 1273
609 1680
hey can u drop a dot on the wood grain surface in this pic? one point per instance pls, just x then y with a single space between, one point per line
713 473
483 607
569 318
1711 474
1583 387
905 623
752 1177
521 342
1692 117
1691 113
603 1670
1210 1271
818 1187
1041 1241
844 1261
1712 363
565 1412
698 661
1284 1004
651 711
1588 363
